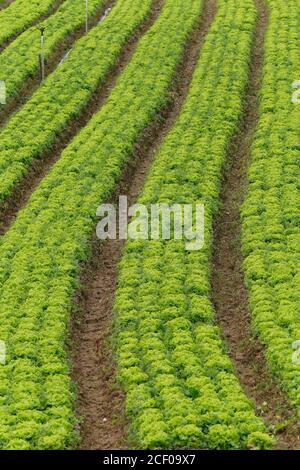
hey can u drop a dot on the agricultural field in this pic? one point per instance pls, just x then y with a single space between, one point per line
150 225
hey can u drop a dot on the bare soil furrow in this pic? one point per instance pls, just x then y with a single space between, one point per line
229 292
41 18
100 404
41 167
5 4
33 82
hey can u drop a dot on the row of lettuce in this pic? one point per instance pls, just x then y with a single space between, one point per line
65 93
181 389
40 255
20 15
19 60
271 211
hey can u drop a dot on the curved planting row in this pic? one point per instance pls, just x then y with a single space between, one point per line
271 212
64 94
40 256
20 14
20 59
180 385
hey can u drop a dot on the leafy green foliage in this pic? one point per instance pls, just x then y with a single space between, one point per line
271 212
65 93
19 15
19 61
180 385
40 255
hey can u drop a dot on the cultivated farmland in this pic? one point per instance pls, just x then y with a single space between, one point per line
120 330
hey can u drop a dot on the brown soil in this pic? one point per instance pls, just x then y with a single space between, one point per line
41 167
229 292
53 9
33 83
100 404
5 4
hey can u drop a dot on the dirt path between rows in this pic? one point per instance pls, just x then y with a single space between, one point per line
33 83
42 166
53 9
229 292
100 403
5 4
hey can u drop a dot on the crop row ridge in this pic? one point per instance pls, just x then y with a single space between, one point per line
33 82
53 9
10 208
100 400
230 296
